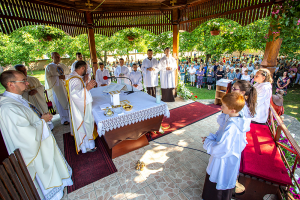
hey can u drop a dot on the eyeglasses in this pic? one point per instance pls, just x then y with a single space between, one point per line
234 89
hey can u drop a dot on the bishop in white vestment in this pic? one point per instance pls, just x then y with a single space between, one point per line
167 66
80 98
35 92
122 71
24 127
54 80
100 73
136 78
150 73
89 69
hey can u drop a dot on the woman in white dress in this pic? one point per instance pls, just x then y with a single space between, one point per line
263 86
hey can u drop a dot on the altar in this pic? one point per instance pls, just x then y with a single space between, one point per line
125 132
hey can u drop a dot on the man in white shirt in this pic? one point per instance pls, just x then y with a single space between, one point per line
122 71
35 92
89 69
167 66
24 127
99 76
55 74
150 73
80 99
136 77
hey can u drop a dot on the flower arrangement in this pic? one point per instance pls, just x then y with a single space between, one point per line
214 26
184 92
48 33
285 18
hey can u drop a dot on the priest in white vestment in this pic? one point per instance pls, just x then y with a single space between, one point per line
55 74
99 76
89 71
122 71
150 73
80 98
35 93
167 66
136 77
24 127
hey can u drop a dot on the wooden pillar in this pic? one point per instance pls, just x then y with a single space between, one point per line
175 24
92 45
271 53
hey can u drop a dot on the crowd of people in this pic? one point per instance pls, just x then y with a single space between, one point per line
25 105
287 72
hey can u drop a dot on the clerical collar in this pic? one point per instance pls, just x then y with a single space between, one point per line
150 58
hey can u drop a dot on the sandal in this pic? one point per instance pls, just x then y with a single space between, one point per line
92 150
66 123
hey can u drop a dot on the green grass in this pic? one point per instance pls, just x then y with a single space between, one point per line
39 74
291 100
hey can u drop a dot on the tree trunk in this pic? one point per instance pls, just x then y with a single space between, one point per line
105 58
240 54
208 56
127 55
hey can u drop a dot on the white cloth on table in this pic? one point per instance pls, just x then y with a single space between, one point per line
82 125
136 79
167 77
54 173
144 107
225 148
264 94
99 77
122 70
150 77
64 114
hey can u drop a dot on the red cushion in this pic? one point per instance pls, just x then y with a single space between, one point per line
261 158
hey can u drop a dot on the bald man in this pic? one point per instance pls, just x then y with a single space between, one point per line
24 127
55 75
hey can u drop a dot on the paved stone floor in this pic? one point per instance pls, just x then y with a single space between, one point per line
171 172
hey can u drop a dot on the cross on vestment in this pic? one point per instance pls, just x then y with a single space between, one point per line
173 2
89 4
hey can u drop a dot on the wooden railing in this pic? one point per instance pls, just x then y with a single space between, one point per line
277 127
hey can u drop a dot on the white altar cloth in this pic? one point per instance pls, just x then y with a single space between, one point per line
144 107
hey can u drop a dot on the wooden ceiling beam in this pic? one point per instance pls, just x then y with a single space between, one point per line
128 26
229 12
39 21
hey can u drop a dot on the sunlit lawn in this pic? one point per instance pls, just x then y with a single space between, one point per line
291 100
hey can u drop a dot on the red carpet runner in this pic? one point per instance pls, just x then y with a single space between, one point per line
184 116
87 168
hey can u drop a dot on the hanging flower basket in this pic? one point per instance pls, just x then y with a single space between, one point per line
130 38
215 32
48 38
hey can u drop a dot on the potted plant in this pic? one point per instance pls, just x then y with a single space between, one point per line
131 35
48 33
214 28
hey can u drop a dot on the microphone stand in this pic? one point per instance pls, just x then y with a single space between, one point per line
128 92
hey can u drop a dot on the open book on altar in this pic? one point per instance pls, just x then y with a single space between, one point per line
114 87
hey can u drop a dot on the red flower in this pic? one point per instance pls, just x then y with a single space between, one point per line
196 97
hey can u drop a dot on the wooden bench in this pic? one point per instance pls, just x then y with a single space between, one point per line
264 167
15 180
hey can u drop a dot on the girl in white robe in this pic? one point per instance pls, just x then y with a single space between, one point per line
263 86
100 73
225 148
136 78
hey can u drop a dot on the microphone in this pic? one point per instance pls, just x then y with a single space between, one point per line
111 77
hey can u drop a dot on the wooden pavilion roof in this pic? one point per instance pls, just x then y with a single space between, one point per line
110 16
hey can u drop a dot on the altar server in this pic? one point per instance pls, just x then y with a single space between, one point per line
24 127
55 74
35 92
89 69
225 148
136 78
80 98
99 76
150 73
167 66
122 71
263 86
